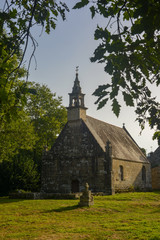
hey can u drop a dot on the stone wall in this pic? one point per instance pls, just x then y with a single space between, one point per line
128 175
75 159
76 113
156 178
40 195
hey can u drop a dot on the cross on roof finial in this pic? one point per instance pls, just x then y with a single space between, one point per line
77 68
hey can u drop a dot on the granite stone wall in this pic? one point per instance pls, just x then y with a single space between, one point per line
75 159
131 175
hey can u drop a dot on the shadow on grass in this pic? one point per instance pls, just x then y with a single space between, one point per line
62 209
4 200
156 191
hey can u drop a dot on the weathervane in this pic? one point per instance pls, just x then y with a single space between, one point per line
77 68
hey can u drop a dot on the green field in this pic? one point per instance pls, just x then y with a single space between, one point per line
122 216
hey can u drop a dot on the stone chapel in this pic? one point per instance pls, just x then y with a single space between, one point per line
89 150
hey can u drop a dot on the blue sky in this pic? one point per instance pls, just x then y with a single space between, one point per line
71 45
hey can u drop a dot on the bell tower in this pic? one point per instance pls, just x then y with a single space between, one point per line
76 109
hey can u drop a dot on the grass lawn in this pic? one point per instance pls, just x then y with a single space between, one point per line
122 216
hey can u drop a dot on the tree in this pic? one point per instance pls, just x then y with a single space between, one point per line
47 114
130 49
16 131
20 173
17 21
38 123
144 151
48 117
17 167
13 88
10 96
15 135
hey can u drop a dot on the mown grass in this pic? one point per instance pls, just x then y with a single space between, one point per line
122 216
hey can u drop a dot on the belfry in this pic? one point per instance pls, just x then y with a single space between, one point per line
76 109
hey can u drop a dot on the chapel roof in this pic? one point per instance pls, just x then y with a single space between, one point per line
123 145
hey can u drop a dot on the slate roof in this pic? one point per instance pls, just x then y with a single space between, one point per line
155 158
123 145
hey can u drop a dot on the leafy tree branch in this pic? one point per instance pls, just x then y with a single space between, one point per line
18 18
130 49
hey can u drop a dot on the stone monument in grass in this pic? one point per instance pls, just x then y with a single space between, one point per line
87 198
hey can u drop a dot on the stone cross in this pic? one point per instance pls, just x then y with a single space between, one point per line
77 68
87 187
86 199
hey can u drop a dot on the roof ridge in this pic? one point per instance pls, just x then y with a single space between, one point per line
104 122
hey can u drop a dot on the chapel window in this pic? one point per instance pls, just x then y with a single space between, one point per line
121 172
143 174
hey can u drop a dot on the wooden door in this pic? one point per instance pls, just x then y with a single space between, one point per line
75 186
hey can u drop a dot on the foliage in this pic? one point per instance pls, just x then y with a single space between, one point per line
15 135
18 18
20 173
22 128
47 114
144 151
38 122
30 118
48 117
17 167
149 110
122 216
12 89
130 49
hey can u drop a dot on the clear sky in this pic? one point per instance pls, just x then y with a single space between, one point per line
71 45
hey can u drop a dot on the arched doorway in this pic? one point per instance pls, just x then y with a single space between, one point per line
75 186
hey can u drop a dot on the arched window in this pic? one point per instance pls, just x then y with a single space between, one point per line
121 172
143 174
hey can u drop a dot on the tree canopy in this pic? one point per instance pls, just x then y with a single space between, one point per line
23 139
47 115
31 116
130 49
18 19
